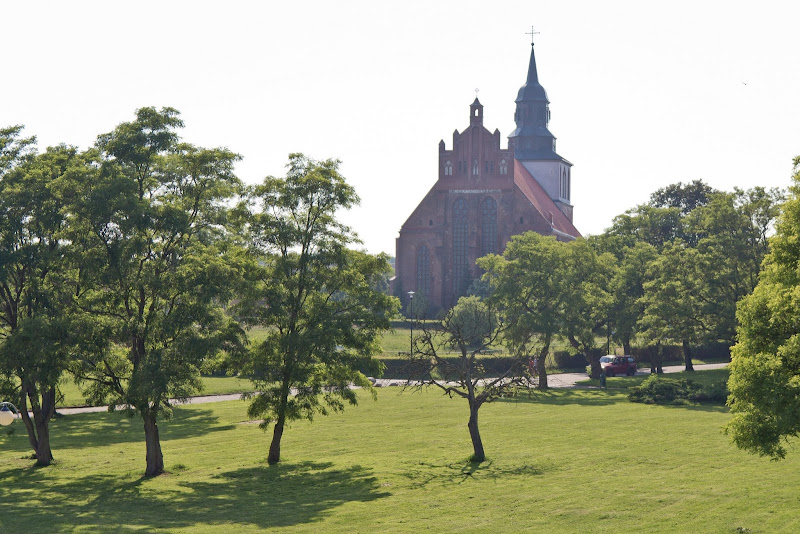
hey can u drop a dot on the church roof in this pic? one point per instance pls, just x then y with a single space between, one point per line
540 200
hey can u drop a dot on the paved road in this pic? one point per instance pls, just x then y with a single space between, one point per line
568 380
561 380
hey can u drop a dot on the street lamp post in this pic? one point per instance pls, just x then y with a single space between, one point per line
410 316
8 412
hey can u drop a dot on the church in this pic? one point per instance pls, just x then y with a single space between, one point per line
485 194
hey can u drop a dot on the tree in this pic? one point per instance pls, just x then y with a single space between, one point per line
148 225
709 246
316 298
35 340
471 327
529 283
735 227
586 297
675 301
765 368
627 290
685 197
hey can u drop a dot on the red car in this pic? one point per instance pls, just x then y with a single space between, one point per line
618 365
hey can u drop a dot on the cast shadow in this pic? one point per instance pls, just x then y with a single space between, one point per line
423 473
111 428
275 496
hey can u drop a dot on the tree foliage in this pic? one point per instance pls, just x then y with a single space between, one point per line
470 328
765 371
148 224
704 255
316 297
544 289
36 344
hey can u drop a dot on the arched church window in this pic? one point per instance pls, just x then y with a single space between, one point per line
423 271
448 168
488 226
503 166
460 259
475 168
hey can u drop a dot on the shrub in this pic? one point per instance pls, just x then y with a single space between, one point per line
659 390
716 392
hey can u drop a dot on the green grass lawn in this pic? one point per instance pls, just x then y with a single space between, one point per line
566 461
212 385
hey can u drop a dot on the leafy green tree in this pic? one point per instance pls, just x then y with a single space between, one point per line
471 327
627 290
148 222
648 224
676 300
735 227
587 300
316 298
530 289
685 197
765 369
709 244
35 340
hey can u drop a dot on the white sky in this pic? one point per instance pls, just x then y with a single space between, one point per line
643 94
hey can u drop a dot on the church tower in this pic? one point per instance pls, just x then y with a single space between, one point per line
535 146
484 194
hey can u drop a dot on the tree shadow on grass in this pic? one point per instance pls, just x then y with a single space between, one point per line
101 429
563 397
423 473
599 397
88 430
266 497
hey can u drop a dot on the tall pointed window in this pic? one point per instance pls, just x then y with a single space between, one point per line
448 168
475 168
503 166
423 271
488 226
461 275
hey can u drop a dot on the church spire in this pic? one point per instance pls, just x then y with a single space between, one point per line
532 139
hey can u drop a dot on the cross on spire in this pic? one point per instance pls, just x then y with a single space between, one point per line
476 92
532 33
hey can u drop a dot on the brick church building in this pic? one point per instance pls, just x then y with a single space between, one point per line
484 195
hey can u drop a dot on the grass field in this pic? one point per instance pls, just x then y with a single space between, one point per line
212 385
565 461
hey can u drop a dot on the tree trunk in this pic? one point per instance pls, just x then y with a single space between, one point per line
626 346
541 369
687 355
44 456
155 460
477 445
594 363
274 455
655 360
38 429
